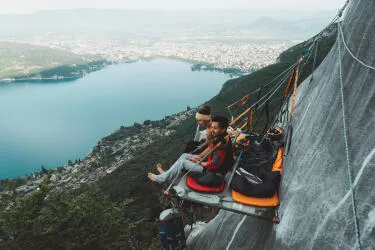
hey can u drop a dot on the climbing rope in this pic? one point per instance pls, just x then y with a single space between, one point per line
243 101
266 97
235 232
308 52
358 242
266 85
284 74
313 66
349 51
274 77
281 74
273 92
250 108
334 19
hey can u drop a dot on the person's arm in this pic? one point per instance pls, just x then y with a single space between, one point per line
200 156
217 160
205 152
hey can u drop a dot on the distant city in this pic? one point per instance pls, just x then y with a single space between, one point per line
233 41
242 56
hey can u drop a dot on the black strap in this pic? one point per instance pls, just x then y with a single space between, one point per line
266 109
289 139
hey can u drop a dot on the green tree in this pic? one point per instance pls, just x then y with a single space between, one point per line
43 220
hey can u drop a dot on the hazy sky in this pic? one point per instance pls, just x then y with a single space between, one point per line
27 6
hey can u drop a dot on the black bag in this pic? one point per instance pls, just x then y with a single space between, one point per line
259 169
259 158
267 188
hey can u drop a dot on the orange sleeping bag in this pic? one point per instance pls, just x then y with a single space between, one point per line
262 202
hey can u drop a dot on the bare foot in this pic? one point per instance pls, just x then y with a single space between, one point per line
151 176
159 167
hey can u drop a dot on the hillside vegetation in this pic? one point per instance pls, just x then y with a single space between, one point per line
129 221
20 60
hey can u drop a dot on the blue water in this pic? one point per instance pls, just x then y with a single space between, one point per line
50 123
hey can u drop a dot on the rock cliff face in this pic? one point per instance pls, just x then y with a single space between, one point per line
318 209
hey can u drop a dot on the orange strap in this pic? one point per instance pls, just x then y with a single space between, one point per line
289 82
229 106
238 117
294 92
247 98
278 163
242 99
239 100
243 125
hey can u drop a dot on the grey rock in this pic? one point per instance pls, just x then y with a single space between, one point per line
316 208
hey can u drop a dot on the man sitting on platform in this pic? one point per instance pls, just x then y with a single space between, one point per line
218 161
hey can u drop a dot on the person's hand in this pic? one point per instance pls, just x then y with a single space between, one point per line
204 164
193 159
209 136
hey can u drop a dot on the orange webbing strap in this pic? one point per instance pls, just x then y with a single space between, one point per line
243 125
239 100
288 84
231 105
238 117
278 163
243 99
246 99
294 92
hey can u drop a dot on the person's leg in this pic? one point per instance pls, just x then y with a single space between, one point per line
160 169
175 169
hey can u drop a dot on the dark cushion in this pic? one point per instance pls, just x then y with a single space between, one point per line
193 184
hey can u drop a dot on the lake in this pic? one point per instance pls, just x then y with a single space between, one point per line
49 123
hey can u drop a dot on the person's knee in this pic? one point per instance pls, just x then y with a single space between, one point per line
185 156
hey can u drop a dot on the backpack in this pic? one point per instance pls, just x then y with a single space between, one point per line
172 235
255 186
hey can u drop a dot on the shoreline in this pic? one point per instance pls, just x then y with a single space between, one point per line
201 66
59 73
84 69
61 79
